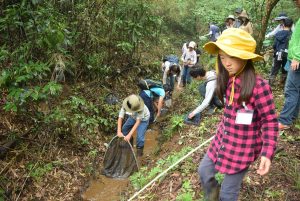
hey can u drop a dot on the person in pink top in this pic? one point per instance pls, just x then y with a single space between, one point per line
249 127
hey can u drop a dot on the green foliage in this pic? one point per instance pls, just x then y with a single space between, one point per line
93 153
187 192
22 85
97 37
293 172
193 87
79 116
176 122
219 177
273 194
38 170
4 53
94 67
89 169
2 194
141 178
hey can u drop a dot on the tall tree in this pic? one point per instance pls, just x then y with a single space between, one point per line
270 4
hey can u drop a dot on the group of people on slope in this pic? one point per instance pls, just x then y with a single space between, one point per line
249 127
240 20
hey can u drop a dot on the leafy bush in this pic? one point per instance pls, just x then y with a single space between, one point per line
79 116
25 85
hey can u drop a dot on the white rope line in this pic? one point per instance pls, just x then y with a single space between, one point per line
165 171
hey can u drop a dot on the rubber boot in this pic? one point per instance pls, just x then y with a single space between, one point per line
140 151
213 194
283 78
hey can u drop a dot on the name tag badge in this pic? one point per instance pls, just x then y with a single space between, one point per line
244 117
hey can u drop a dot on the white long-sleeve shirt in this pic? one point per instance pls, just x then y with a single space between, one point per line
166 69
189 55
272 33
278 28
211 79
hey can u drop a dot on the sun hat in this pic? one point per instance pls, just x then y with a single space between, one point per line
281 16
238 10
243 14
235 42
192 44
230 17
133 103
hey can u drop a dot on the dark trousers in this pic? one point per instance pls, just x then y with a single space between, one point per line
227 191
277 65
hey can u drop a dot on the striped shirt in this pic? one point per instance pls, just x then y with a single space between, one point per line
236 146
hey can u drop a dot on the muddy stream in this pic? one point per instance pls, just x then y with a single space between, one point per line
109 189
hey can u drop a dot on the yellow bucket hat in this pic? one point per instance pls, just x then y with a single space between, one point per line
235 42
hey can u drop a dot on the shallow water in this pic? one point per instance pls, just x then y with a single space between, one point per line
109 189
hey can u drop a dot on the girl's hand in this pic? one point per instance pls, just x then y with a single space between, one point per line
295 64
120 134
264 166
127 138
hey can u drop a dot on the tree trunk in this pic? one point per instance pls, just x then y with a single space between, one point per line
270 4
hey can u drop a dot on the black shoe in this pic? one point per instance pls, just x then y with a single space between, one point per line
211 110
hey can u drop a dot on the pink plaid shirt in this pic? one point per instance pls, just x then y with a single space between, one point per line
236 146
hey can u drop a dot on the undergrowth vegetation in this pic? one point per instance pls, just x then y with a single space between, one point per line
58 62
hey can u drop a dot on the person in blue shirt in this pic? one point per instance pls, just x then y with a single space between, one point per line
154 100
214 32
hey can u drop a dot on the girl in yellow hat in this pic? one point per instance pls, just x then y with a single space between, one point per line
249 127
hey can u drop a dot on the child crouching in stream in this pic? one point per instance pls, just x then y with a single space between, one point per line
138 120
249 126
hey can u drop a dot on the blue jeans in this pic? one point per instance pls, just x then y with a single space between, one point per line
171 81
141 130
291 106
186 78
230 186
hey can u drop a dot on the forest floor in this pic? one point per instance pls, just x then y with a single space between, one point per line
51 167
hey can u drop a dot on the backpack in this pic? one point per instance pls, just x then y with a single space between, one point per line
173 59
147 84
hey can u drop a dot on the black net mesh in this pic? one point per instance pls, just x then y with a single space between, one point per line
119 159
